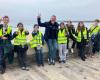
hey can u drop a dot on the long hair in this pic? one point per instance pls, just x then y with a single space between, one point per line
81 28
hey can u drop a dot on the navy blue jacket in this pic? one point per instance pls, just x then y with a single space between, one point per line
51 30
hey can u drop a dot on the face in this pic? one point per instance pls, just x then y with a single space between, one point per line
69 23
53 19
6 21
62 26
20 27
36 28
96 23
81 24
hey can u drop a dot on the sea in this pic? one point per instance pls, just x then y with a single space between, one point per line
42 29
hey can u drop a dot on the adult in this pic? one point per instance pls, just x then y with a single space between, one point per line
50 36
71 31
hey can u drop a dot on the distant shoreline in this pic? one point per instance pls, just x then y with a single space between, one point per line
77 21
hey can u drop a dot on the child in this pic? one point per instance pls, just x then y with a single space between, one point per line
71 30
20 46
5 44
62 41
37 43
81 37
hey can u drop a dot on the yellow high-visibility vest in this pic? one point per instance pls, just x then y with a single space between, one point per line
20 39
36 40
93 30
79 37
7 32
62 39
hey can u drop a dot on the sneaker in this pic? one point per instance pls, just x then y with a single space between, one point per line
42 65
72 51
53 62
27 69
64 61
83 59
38 65
23 68
49 62
60 61
2 71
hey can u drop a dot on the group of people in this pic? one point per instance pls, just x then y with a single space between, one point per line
57 37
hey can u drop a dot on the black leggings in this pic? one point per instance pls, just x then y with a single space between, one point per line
22 55
81 50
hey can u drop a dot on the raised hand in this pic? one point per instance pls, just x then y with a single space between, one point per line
39 16
16 33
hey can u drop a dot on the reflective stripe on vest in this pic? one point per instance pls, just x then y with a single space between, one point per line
79 37
93 30
36 40
20 39
62 39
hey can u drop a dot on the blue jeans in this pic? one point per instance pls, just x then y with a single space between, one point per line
39 56
52 44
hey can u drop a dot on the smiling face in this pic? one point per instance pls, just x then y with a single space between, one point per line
81 24
62 25
6 20
53 19
96 22
20 26
69 23
36 28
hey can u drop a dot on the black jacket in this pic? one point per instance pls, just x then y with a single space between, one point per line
51 30
9 36
14 34
71 31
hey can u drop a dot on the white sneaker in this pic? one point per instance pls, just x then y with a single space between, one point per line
72 51
27 69
23 68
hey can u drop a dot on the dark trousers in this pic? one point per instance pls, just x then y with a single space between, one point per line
39 56
10 56
2 61
96 44
95 47
74 43
8 52
22 55
81 50
4 56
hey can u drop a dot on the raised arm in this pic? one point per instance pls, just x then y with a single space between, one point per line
40 23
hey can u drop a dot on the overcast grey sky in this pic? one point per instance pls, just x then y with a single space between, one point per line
27 10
